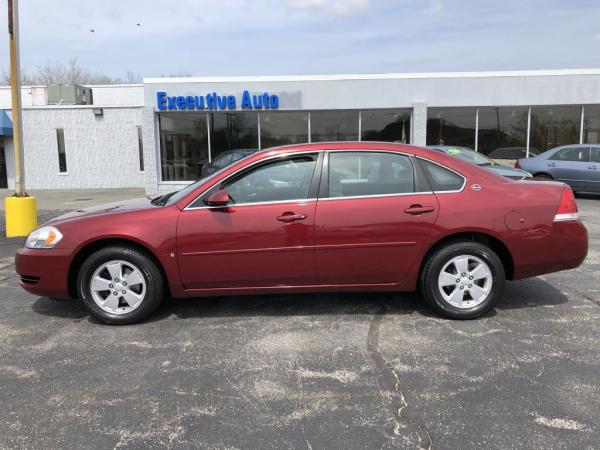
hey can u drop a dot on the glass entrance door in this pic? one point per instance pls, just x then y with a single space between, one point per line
3 181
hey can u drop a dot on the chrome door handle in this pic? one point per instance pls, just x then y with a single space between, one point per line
291 217
551 164
415 210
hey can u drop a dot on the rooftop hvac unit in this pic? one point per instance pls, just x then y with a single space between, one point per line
69 94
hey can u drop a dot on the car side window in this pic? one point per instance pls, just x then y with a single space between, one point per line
369 173
574 154
280 180
440 178
595 154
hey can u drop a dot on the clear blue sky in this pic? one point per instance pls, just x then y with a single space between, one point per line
270 37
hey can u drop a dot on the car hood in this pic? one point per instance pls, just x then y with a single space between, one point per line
506 171
110 208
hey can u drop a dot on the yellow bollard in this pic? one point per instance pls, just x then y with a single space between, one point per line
20 214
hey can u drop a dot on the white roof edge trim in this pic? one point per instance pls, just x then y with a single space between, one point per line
374 76
113 85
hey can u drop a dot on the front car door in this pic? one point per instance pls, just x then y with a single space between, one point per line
263 237
373 216
570 165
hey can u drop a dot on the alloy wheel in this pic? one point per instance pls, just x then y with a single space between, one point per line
118 287
465 281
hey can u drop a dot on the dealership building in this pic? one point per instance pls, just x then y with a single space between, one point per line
158 135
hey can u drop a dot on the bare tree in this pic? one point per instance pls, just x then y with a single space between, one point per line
54 72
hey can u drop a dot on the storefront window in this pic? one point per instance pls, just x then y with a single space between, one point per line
283 128
233 131
334 126
502 128
386 125
591 124
552 126
183 145
451 126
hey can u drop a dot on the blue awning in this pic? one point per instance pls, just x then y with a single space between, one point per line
5 124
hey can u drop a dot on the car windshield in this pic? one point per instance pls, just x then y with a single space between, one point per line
470 155
174 197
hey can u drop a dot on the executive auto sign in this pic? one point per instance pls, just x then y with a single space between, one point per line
215 102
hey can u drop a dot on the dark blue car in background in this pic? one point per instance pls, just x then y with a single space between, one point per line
578 165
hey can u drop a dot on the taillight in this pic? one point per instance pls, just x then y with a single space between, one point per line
517 165
567 210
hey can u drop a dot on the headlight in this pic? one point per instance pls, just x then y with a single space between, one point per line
44 237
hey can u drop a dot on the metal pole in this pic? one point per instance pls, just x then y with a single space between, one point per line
528 140
15 84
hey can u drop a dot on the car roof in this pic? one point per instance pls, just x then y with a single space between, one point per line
349 145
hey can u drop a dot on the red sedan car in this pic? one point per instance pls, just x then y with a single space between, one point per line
344 216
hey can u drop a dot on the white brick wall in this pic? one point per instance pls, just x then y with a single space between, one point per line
101 152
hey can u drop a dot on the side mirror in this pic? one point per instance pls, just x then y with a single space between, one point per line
218 198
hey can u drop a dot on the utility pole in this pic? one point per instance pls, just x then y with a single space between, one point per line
20 209
15 88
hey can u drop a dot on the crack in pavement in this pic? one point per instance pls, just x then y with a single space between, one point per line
391 380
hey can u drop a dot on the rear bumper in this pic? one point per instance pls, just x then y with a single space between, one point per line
565 247
44 272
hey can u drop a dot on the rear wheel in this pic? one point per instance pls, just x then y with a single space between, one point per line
463 280
543 176
120 285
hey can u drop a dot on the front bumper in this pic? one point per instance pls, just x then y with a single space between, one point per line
44 272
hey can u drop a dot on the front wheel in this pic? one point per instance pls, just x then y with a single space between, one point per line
120 285
463 280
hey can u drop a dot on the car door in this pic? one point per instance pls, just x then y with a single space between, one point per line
263 237
594 170
371 219
570 165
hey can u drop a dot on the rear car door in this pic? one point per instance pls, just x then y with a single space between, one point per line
373 217
570 165
594 174
263 237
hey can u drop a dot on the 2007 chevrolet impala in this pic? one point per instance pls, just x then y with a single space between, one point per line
344 216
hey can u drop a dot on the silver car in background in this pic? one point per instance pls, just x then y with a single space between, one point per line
467 154
578 165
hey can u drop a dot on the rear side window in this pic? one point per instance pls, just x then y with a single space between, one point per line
440 178
595 154
354 174
576 154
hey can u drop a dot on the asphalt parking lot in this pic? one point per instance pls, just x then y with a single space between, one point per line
308 371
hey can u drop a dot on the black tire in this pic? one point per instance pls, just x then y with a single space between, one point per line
543 177
154 289
436 262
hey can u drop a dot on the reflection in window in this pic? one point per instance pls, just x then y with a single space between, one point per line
386 125
591 124
502 128
62 154
552 126
232 131
334 126
451 126
440 178
573 154
183 145
283 128
288 179
357 174
140 148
